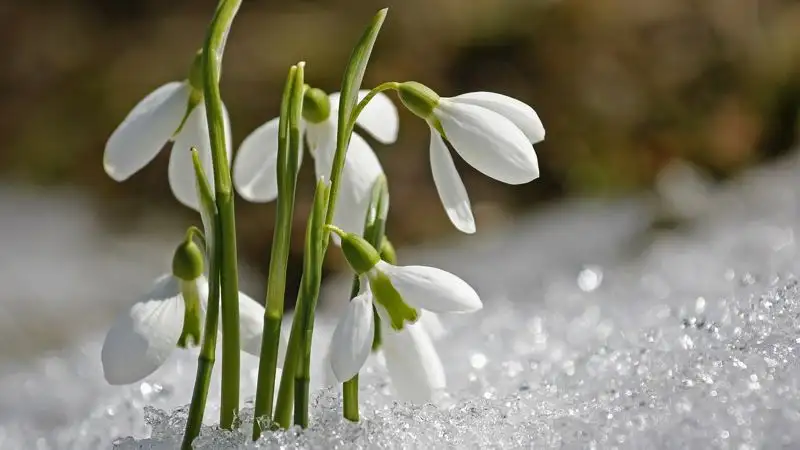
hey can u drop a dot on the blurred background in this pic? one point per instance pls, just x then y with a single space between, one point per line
625 88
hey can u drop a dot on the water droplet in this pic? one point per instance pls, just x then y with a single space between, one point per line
590 278
700 305
478 360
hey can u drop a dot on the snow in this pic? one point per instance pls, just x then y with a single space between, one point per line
598 331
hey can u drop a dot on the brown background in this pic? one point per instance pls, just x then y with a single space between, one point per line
622 86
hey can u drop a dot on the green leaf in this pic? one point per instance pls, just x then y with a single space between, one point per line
283 128
375 223
208 207
314 232
354 74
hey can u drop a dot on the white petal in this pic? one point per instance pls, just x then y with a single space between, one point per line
379 117
255 168
433 326
181 170
142 338
413 363
488 142
251 328
361 170
451 189
351 342
522 115
143 133
431 288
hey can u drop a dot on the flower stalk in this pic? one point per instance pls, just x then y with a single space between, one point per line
374 230
289 147
206 359
212 61
309 293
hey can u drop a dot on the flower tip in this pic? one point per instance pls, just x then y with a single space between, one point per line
112 172
466 227
471 301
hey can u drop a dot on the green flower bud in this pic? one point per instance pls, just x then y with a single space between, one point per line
187 263
388 253
316 105
361 256
418 98
385 294
190 335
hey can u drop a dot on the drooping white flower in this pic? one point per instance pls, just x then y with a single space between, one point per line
411 360
492 132
255 168
398 293
165 115
170 315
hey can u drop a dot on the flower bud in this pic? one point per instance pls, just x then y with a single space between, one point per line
360 255
418 98
316 105
187 263
388 253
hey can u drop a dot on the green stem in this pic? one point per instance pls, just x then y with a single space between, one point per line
205 361
289 146
350 387
212 62
363 103
296 371
284 404
309 293
350 399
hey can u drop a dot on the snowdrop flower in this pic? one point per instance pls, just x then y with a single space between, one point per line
255 168
397 293
173 112
491 132
414 367
171 315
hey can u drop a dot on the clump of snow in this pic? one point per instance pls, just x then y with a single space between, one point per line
597 332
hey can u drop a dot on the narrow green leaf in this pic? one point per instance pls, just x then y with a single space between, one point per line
281 243
375 223
354 74
314 241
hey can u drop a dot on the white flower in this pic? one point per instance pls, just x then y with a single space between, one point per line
152 123
397 292
255 168
143 337
410 358
494 133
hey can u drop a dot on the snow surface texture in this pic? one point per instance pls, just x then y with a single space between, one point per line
597 332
